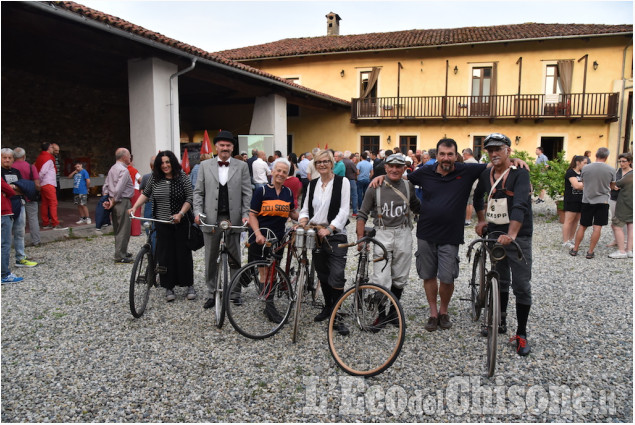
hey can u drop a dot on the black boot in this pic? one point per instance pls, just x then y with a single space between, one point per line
272 313
392 312
328 304
502 328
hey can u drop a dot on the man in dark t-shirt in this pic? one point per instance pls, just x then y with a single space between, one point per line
446 187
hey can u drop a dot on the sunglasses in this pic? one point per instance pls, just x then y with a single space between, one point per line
323 162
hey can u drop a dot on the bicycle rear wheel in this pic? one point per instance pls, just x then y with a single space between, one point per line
493 319
376 325
477 284
222 275
250 317
142 279
299 290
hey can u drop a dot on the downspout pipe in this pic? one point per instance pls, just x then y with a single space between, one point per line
623 91
174 142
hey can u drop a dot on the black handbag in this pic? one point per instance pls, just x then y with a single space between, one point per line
195 239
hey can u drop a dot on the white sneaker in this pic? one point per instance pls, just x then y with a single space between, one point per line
81 221
618 254
567 245
88 220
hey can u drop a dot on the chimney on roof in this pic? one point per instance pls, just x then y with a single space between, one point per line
333 24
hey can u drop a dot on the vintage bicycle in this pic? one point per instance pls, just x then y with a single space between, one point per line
276 283
485 292
372 317
222 267
144 270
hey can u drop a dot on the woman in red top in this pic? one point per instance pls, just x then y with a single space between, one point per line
293 183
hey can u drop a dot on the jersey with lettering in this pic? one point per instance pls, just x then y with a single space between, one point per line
271 208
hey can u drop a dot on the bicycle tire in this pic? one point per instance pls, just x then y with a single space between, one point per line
221 282
373 344
248 317
477 284
493 321
142 278
300 285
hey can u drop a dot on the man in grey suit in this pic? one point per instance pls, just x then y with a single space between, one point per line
223 191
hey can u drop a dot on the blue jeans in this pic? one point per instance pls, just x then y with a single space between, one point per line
7 224
362 185
354 195
19 226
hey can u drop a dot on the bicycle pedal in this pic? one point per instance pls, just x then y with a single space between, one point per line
161 269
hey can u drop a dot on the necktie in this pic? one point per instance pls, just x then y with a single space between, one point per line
223 163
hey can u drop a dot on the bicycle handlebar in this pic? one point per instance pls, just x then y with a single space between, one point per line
224 225
365 240
132 216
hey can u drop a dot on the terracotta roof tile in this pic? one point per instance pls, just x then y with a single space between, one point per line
121 24
419 38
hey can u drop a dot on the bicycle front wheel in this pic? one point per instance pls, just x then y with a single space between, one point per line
222 276
266 299
477 284
493 319
141 280
366 330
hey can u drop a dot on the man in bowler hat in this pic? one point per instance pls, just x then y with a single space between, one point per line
222 192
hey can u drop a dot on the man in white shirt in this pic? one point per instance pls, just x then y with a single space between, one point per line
261 170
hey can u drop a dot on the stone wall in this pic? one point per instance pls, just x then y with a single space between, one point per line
86 120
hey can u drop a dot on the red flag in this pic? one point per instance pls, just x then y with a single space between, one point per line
206 146
185 162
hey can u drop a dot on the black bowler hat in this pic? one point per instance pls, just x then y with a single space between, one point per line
226 136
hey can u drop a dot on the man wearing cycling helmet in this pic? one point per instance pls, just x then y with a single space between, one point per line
509 218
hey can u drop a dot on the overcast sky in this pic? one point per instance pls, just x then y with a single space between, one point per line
220 25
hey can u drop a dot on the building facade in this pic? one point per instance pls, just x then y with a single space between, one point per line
565 87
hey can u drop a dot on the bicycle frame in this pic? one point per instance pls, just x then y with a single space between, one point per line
489 294
362 268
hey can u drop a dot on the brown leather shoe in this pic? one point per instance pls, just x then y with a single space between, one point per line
444 321
431 326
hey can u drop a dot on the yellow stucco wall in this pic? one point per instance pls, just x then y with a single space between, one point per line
424 74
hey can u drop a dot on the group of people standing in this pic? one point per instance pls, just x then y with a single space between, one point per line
23 184
224 190
593 192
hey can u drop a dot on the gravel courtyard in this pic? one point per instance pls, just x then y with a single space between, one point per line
72 352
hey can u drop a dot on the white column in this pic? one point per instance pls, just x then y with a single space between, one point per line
270 117
149 97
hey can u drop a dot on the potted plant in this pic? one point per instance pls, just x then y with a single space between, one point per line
550 178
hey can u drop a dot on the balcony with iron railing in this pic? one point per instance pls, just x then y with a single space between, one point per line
574 106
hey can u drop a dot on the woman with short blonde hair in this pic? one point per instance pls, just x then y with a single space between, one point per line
326 205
